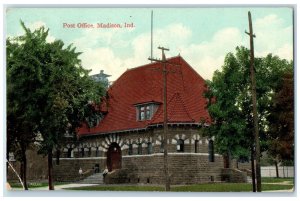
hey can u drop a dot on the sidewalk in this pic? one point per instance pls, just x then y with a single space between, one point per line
56 187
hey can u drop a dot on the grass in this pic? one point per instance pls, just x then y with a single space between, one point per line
35 184
210 187
277 184
289 180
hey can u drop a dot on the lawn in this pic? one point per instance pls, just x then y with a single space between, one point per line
35 184
289 180
210 187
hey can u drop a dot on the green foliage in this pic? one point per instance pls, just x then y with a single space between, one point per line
47 88
231 105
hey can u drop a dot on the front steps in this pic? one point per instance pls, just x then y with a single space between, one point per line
96 178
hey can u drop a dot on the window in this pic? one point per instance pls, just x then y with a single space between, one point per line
97 151
140 149
90 152
70 153
180 145
162 147
82 152
11 156
130 149
149 148
196 146
211 154
146 111
142 113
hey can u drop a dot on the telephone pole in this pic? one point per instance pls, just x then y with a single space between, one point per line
166 168
255 117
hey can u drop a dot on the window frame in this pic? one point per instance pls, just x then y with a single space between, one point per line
146 111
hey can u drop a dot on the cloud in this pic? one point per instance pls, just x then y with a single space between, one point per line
117 52
38 24
112 60
208 56
272 36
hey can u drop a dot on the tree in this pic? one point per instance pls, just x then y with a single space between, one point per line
231 110
229 90
64 94
22 114
281 118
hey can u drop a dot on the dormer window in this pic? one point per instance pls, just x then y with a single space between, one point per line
145 111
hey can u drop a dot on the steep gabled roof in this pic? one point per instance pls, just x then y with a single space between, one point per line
185 88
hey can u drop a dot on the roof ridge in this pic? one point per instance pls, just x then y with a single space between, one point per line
156 62
138 67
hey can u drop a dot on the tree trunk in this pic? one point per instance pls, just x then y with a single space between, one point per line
24 167
276 166
253 170
50 168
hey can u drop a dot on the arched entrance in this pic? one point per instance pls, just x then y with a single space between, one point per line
114 157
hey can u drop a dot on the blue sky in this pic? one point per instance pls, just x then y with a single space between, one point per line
203 36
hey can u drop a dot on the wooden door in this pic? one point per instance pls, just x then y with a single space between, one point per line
114 157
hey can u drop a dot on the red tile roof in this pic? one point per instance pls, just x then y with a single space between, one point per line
185 101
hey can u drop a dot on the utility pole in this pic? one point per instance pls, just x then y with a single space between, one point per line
166 168
151 35
255 117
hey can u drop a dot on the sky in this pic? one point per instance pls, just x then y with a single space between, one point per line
202 35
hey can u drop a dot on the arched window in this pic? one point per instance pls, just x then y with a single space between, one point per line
140 149
149 148
211 154
82 152
97 151
162 148
196 146
130 149
70 153
90 152
180 145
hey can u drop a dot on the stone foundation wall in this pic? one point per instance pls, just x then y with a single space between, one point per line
68 169
187 167
184 168
36 167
